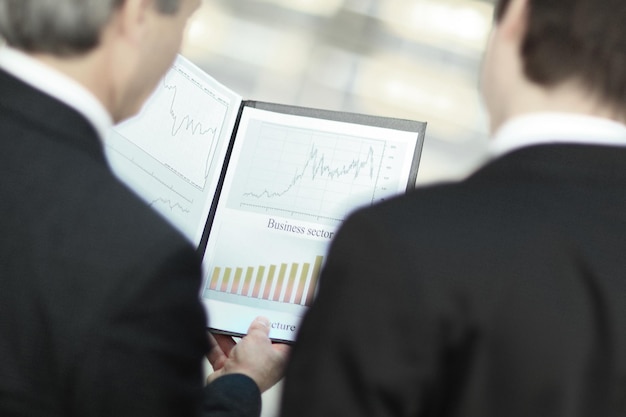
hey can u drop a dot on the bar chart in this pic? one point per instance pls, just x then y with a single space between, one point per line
292 283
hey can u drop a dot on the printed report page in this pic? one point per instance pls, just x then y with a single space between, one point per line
173 151
290 183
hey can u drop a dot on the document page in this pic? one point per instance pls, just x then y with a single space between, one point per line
290 183
259 188
173 152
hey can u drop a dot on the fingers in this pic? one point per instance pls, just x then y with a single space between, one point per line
226 343
221 346
212 341
255 355
216 356
260 327
283 349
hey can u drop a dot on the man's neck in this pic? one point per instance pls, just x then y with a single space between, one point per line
88 70
569 97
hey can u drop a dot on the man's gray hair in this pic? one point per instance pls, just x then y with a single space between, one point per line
60 27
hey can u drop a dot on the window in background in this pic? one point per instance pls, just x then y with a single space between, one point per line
416 59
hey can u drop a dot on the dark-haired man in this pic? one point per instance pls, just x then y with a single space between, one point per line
503 295
99 306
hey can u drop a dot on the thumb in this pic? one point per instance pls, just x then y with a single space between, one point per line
260 327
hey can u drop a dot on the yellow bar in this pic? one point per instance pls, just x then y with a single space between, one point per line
291 283
268 284
226 279
314 277
258 282
300 293
235 288
281 280
247 281
215 278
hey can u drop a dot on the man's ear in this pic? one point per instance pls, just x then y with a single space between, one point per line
513 24
132 19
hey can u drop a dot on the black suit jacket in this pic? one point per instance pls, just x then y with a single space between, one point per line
500 296
99 306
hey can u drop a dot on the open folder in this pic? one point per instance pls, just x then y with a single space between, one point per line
259 188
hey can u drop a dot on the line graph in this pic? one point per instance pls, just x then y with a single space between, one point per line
172 153
172 205
188 123
177 132
319 169
307 174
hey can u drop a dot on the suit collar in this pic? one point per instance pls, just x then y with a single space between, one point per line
561 162
59 122
58 85
555 128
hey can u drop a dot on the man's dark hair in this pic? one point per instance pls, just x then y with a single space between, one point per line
576 40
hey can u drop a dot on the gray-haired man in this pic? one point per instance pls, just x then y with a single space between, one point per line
99 308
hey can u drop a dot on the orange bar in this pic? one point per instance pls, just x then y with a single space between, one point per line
300 293
314 277
226 279
281 280
268 284
235 288
258 282
246 283
215 278
291 283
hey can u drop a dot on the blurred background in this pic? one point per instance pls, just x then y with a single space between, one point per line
413 59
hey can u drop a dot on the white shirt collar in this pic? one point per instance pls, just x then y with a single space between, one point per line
57 85
547 128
